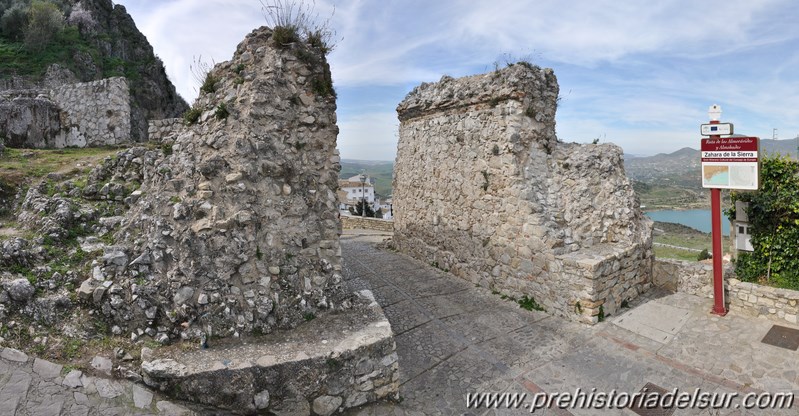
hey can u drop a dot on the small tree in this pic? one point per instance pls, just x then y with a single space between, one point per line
358 210
45 22
13 23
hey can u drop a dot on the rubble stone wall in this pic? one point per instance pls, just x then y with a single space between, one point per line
95 113
352 222
166 130
235 231
483 188
781 305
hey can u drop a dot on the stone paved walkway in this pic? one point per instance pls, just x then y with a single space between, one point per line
454 338
35 387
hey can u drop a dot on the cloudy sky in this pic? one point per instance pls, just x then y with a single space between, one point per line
640 74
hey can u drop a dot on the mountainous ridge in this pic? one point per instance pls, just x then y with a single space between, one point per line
98 40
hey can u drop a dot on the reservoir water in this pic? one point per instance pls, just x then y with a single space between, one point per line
694 218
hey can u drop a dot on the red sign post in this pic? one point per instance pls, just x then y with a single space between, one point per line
727 163
719 305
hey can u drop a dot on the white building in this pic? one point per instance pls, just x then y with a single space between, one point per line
353 191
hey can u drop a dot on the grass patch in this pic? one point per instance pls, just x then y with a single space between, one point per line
674 253
221 111
21 166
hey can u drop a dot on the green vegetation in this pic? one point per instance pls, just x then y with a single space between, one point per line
45 22
221 112
19 166
209 84
359 210
323 86
529 304
658 196
774 223
295 21
381 172
192 115
678 235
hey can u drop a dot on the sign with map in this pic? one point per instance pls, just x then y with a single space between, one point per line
730 163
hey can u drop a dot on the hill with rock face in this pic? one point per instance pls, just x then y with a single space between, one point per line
98 40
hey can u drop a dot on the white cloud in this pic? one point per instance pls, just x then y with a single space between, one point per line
369 136
638 72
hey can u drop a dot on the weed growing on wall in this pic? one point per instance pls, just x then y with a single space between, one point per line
297 21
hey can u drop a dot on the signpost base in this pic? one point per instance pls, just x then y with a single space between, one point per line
719 306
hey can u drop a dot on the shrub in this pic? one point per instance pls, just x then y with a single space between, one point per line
323 86
13 23
45 22
192 115
703 255
201 71
295 21
774 223
82 19
221 111
209 84
285 35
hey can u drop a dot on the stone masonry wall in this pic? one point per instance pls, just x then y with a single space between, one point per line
93 113
236 231
166 130
353 222
781 305
483 187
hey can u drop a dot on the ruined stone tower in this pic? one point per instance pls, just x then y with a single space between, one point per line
235 231
484 189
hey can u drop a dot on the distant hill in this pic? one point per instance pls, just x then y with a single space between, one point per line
681 168
381 171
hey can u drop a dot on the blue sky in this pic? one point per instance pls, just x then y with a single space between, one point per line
640 74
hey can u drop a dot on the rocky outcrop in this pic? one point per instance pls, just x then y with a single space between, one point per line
235 231
29 118
124 50
483 188
111 46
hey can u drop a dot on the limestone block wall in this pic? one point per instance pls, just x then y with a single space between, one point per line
95 113
166 130
483 187
691 277
353 222
781 305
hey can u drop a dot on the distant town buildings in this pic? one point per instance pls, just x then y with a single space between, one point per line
352 191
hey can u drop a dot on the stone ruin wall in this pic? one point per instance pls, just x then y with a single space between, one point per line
236 231
483 188
95 113
166 130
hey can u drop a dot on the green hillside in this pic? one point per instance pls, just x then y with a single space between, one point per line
381 171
